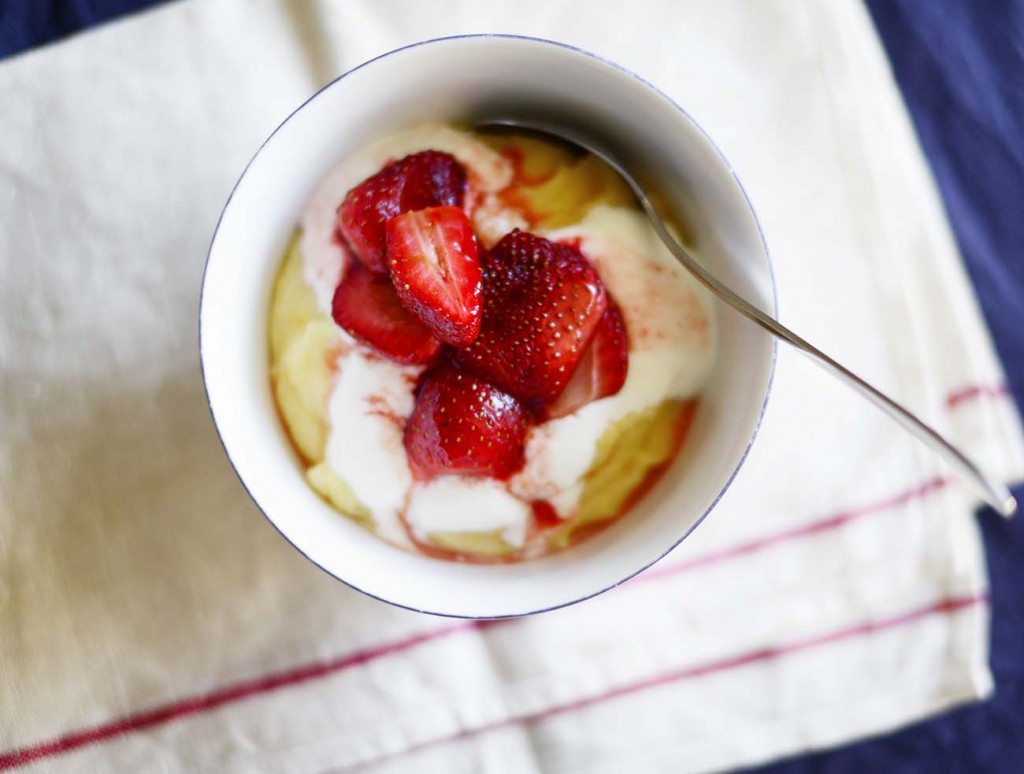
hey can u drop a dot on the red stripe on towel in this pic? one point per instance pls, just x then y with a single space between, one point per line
803 531
977 391
199 704
944 607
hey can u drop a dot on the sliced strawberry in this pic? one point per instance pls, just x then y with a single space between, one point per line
602 369
435 269
367 306
461 424
427 179
542 302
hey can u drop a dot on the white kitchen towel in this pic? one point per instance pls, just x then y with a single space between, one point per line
150 618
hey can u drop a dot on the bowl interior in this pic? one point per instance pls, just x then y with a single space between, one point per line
466 79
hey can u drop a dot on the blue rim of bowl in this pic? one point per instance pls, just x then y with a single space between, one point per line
760 233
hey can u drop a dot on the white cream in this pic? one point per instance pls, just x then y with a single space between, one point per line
367 410
664 306
669 320
559 452
492 220
463 504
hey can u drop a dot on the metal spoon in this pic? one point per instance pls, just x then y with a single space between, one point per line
992 492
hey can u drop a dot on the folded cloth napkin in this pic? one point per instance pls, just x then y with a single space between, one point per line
152 620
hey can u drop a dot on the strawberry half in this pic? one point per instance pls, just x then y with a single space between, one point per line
462 424
367 306
602 369
427 179
542 303
434 267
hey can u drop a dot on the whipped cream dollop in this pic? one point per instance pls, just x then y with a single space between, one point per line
669 320
371 399
461 504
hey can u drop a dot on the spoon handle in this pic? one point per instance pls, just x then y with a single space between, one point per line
993 492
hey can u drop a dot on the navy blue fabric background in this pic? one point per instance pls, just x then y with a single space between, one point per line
960 65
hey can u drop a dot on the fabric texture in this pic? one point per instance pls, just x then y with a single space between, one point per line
960 67
152 618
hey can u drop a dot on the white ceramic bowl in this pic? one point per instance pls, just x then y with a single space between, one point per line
464 79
